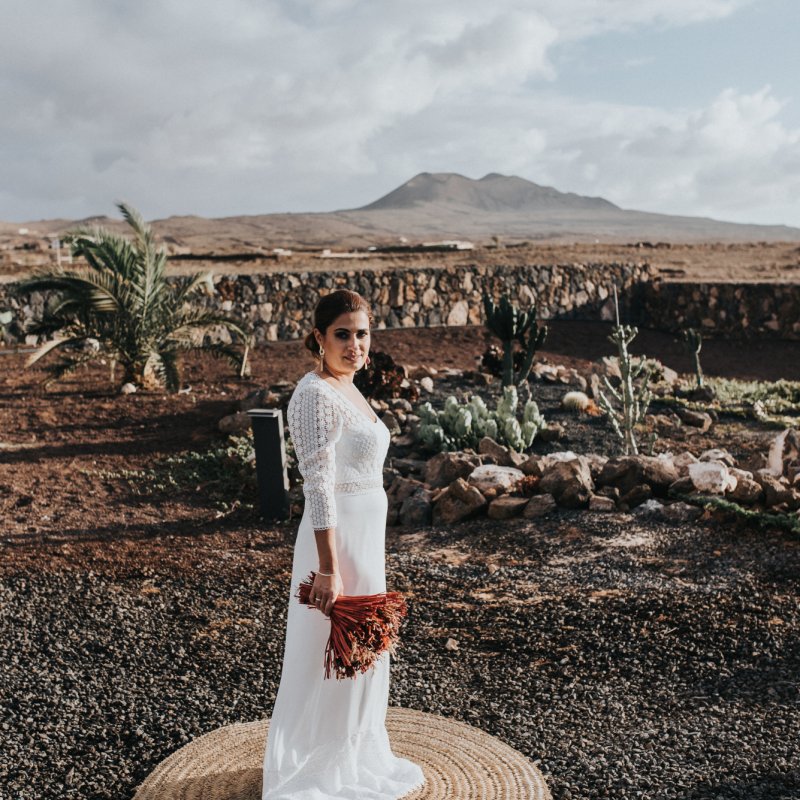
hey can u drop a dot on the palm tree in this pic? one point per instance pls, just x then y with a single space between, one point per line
121 306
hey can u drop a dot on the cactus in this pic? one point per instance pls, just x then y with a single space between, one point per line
458 425
510 324
693 341
632 400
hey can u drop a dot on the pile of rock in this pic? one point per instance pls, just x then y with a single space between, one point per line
500 483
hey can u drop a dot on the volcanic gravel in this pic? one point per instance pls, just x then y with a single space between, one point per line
626 656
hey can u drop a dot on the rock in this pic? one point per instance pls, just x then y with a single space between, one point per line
711 476
235 423
451 644
260 398
402 488
539 505
417 508
408 465
422 371
717 454
598 502
493 476
534 465
596 464
507 507
682 461
391 422
444 468
683 485
458 502
625 472
502 455
702 394
696 419
551 433
747 491
637 495
459 313
609 491
401 404
649 508
570 482
775 492
426 383
127 388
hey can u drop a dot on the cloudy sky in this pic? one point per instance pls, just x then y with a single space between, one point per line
257 106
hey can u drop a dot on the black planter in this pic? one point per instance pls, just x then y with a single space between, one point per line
273 479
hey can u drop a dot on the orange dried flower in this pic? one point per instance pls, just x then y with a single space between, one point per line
362 627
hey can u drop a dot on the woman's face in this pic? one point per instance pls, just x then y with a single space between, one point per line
346 342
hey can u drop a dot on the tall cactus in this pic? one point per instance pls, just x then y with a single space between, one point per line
633 401
693 340
509 324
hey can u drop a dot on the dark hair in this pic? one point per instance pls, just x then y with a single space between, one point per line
330 307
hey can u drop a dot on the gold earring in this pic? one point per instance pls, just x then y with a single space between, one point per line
321 357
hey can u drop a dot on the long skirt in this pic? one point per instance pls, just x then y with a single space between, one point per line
327 737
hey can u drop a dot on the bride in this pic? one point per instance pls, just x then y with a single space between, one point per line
327 738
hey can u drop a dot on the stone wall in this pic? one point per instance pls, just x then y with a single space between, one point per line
738 310
280 305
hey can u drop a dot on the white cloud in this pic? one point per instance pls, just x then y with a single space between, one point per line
253 106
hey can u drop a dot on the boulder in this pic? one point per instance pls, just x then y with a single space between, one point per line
598 502
391 421
625 472
682 461
680 512
458 502
747 491
493 476
539 505
717 454
506 507
444 468
636 496
417 508
570 482
501 455
712 477
695 419
534 465
776 492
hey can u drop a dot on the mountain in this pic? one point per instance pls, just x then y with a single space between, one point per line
435 206
493 192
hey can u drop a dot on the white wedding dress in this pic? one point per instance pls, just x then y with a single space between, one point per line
327 737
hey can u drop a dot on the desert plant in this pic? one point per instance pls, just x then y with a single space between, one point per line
511 325
459 425
693 341
633 400
383 379
120 306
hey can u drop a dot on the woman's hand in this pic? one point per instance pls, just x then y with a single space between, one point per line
324 591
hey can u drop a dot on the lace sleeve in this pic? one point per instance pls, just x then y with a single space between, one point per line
315 426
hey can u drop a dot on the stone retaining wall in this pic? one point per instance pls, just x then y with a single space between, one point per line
280 305
738 310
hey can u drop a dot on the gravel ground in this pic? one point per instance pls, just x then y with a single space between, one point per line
628 657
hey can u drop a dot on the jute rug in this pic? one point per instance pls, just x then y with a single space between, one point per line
460 762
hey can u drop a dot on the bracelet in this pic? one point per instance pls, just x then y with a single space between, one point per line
326 574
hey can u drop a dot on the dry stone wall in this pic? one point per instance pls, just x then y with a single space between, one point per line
738 310
279 305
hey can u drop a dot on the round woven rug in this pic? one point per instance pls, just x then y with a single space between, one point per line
458 760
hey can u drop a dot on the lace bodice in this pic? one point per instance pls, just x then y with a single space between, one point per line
339 450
